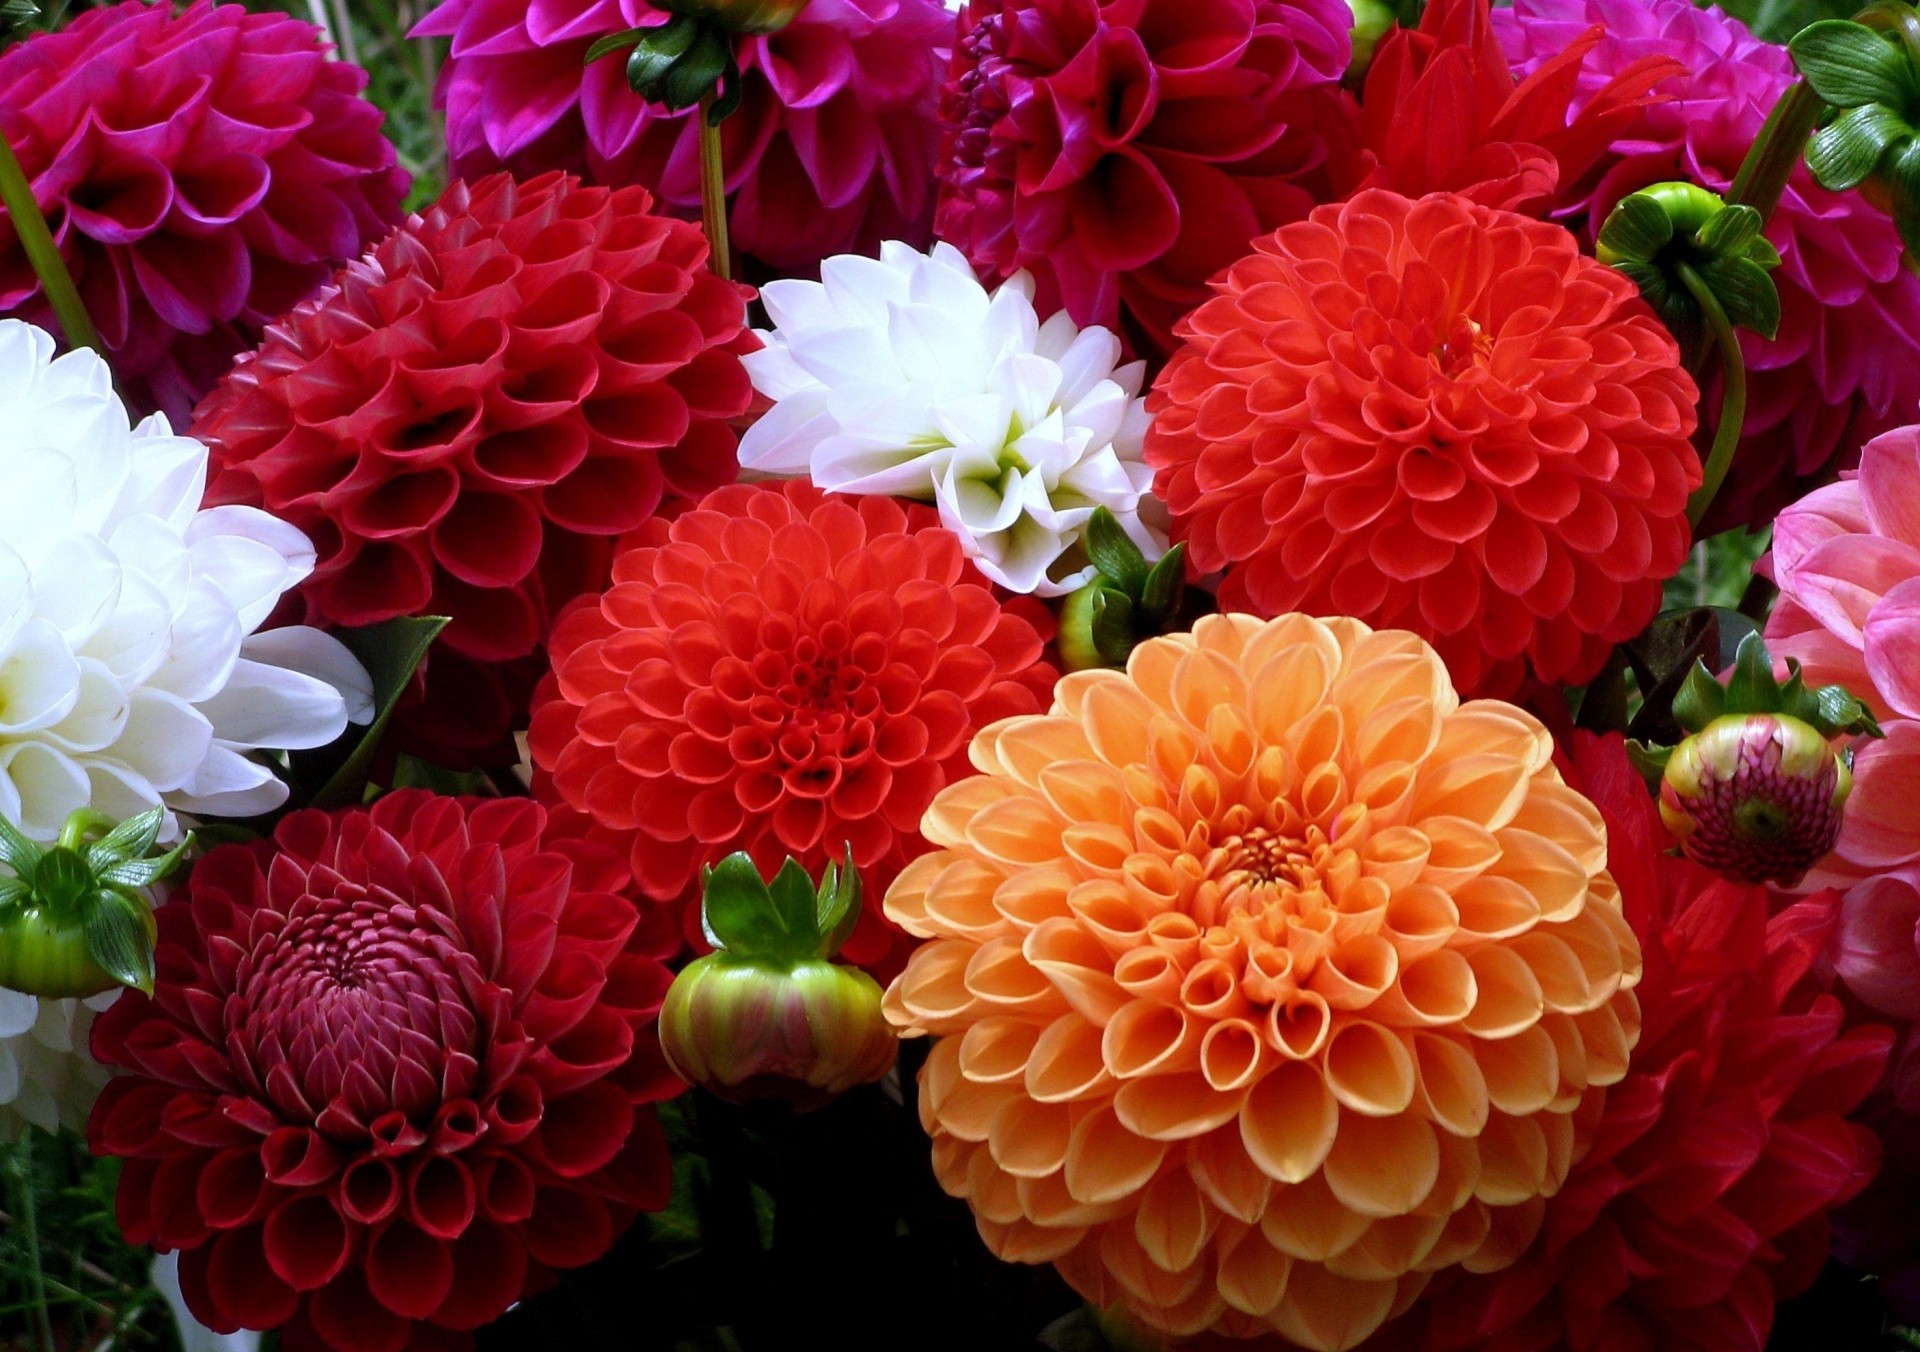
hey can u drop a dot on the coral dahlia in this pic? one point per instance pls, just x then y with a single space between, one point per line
393 1074
831 151
202 170
784 673
1124 151
465 420
1437 416
1269 980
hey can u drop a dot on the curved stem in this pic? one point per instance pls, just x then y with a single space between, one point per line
1776 151
713 191
16 194
1733 394
80 821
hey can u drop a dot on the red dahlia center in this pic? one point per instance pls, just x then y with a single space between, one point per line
982 93
1466 346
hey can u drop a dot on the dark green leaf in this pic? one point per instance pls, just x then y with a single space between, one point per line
131 839
1113 635
1751 689
1117 557
796 908
1837 711
1745 292
731 92
117 939
1730 230
145 872
696 73
654 58
1650 761
17 14
16 851
614 42
1662 658
1845 151
1848 64
14 889
391 653
737 910
1636 230
1734 628
1165 588
1701 699
839 905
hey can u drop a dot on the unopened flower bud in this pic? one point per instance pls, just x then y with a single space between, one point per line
1755 797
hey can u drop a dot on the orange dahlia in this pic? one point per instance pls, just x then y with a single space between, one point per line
1434 416
1268 979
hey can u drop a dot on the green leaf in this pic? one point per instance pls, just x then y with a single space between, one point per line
1650 761
391 653
1662 659
1845 151
737 910
1836 711
796 907
1701 699
131 839
118 940
1636 230
839 905
654 58
145 872
1751 689
695 74
1730 230
731 92
614 42
1745 292
1113 636
1116 556
1165 589
14 889
1848 64
16 851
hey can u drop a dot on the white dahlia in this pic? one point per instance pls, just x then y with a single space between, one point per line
903 375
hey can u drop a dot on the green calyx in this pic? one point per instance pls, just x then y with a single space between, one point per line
1751 688
72 920
1673 240
1867 73
785 922
678 64
17 14
1127 602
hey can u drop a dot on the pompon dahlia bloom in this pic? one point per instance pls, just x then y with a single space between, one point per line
1847 560
1848 355
905 376
1703 1199
1124 151
1269 980
203 171
784 673
394 1073
832 150
471 414
1435 416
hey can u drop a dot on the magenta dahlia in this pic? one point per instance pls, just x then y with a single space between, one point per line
203 172
831 151
394 1073
1848 352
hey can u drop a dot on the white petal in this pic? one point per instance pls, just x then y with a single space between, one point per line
268 706
165 740
51 786
228 784
98 715
39 680
250 556
77 586
297 647
205 641
18 1010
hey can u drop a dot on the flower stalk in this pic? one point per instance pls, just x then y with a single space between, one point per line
1733 394
37 241
713 189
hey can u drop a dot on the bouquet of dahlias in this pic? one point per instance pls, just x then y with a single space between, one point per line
1122 675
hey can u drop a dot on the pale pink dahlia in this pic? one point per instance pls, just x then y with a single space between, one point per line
203 172
831 152
1849 342
1847 559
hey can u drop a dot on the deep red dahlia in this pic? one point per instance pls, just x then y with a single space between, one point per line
1434 416
785 673
464 421
393 1074
1124 151
202 172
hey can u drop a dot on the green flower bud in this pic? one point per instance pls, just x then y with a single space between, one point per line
1755 797
1127 601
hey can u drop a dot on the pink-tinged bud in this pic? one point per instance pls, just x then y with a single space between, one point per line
1755 797
746 1029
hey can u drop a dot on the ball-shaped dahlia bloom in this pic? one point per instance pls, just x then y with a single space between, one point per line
469 416
1846 363
1847 560
831 151
1124 154
1434 416
1269 980
783 673
202 171
1703 1200
394 1073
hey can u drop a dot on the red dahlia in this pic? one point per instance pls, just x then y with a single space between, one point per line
784 673
465 420
393 1073
1433 416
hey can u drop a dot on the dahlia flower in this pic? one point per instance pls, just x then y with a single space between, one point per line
1269 980
202 171
831 151
1847 559
393 1074
1848 351
47 1078
782 673
1125 153
1703 1199
1437 416
907 377
465 420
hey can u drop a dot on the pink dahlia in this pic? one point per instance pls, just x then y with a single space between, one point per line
203 172
1124 151
1849 342
831 152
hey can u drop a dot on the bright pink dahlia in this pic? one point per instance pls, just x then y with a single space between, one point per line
203 172
1124 151
395 1072
1848 353
831 152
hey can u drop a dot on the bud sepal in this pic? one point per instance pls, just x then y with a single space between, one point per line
1127 602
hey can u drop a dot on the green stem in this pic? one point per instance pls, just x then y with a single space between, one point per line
16 194
21 1169
713 192
80 821
1776 151
1733 394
